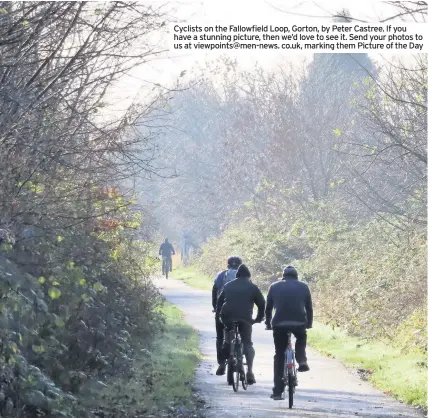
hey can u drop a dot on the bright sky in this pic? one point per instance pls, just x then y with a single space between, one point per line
167 69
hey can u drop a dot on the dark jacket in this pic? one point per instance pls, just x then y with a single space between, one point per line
237 301
166 249
292 302
216 288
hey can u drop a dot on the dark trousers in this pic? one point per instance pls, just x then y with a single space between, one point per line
245 331
280 340
219 328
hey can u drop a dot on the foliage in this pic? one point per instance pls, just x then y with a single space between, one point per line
75 257
367 278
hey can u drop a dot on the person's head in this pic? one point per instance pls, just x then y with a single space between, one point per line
243 272
166 239
289 271
233 262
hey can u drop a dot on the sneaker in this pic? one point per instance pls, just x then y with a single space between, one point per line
221 370
276 397
303 367
250 378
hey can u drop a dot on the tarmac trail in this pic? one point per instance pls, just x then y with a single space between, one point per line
327 390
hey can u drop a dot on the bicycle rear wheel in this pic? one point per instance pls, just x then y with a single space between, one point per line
236 367
291 386
244 379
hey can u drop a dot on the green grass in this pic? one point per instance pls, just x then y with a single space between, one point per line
403 375
190 276
163 377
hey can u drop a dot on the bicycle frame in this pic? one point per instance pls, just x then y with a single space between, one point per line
235 340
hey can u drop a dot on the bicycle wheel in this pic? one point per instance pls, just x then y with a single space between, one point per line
229 371
244 379
291 386
236 367
236 378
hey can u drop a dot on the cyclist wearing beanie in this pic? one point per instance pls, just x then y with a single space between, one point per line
292 302
236 303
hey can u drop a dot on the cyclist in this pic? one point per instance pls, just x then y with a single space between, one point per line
166 250
225 276
236 303
292 302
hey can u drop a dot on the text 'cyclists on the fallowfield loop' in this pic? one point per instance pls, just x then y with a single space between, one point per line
293 38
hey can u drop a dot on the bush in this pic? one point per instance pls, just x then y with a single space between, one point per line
68 317
369 278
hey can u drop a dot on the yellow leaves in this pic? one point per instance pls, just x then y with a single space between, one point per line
70 265
370 94
36 188
368 81
266 183
39 349
13 347
115 254
42 280
337 132
59 238
82 282
54 293
3 11
5 247
133 224
85 297
59 322
98 287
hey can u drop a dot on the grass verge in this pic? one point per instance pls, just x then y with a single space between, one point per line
193 278
162 384
402 375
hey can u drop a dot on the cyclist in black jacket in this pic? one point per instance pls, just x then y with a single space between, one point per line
233 262
236 303
292 302
166 250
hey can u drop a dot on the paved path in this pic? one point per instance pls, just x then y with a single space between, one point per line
328 390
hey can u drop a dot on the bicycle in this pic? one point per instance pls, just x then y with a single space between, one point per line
290 371
166 266
235 362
